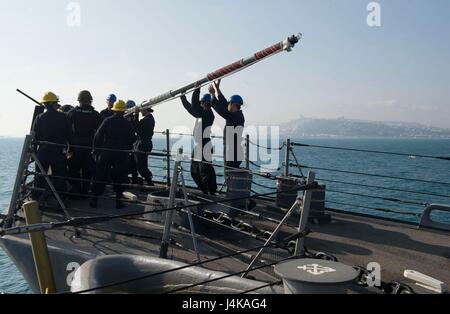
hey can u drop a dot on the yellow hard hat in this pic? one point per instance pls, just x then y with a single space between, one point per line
49 97
120 106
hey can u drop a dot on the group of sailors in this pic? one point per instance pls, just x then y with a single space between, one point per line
86 150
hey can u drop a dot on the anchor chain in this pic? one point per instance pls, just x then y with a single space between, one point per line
245 227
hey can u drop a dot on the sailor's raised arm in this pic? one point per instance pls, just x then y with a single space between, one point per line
219 103
187 105
196 103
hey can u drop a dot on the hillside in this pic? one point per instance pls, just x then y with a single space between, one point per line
341 127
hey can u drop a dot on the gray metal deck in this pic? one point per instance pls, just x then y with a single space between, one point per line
354 240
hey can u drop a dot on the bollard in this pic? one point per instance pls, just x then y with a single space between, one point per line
40 250
314 276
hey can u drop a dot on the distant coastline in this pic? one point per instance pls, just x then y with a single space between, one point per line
341 128
347 128
340 137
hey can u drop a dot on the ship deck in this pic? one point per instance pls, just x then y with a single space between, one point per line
353 239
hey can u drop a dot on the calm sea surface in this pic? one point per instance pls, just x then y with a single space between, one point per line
338 196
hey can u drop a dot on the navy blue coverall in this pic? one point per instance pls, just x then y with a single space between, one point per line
144 145
115 133
203 173
84 122
53 127
234 120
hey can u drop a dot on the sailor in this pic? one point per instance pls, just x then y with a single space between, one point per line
106 113
53 127
132 165
231 111
84 121
144 129
114 138
202 170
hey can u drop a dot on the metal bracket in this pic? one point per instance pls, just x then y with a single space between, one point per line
177 173
189 213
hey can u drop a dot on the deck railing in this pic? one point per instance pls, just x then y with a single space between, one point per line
264 180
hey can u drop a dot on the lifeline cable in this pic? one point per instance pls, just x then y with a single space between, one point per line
263 167
188 158
371 174
263 186
93 148
380 187
81 221
265 147
128 185
389 199
371 151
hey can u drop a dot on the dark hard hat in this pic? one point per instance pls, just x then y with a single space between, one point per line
236 99
84 96
66 108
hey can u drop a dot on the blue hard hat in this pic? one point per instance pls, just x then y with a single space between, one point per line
236 99
206 98
130 104
111 98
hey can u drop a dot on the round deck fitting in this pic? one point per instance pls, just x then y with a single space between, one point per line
314 276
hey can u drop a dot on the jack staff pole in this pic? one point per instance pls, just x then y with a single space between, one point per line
232 68
37 110
29 97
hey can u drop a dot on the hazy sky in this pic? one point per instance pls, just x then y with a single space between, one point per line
139 49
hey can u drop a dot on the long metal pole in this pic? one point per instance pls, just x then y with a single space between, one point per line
285 45
37 110
29 97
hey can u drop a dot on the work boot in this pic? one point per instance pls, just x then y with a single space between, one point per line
150 182
93 202
119 204
251 204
